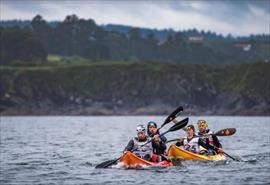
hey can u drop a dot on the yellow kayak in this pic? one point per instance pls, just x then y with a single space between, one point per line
177 152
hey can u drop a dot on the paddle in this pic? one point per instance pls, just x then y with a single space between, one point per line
223 132
175 127
224 153
171 117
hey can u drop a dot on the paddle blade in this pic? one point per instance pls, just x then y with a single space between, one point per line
226 132
107 163
173 115
179 125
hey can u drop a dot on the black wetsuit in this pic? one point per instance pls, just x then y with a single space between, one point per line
215 139
160 147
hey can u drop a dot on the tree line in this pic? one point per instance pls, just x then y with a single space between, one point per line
84 38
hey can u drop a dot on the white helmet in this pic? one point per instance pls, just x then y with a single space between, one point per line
140 128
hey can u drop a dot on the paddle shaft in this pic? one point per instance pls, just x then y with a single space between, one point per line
224 153
158 131
172 140
230 156
218 133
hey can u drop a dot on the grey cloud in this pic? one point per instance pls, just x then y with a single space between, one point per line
231 13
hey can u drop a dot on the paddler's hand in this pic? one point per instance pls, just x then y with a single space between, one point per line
180 139
157 138
220 151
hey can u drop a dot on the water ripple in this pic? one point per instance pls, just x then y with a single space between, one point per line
65 150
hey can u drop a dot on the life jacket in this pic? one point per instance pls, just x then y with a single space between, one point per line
192 145
141 149
211 141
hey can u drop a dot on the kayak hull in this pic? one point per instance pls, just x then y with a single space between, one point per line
177 152
130 160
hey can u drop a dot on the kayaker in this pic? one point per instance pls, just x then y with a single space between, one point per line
192 142
207 136
138 144
160 146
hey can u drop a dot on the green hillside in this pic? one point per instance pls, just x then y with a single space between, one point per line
112 87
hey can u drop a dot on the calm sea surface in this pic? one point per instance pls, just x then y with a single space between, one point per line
65 150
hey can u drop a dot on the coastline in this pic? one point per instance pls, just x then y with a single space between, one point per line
147 111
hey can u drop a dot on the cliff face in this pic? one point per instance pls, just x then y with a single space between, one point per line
108 88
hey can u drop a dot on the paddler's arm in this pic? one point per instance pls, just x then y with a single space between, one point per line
208 146
180 142
130 145
163 139
158 143
205 144
216 141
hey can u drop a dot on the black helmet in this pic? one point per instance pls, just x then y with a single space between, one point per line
150 123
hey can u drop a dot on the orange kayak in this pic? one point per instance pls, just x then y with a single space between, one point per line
130 160
177 152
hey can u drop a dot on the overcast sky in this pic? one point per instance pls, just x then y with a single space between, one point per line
238 17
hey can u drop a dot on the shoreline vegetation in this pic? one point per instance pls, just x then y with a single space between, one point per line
84 87
77 67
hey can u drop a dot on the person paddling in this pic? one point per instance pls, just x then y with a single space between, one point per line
208 136
159 142
138 144
192 143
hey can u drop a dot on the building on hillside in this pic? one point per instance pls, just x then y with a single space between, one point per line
195 38
243 46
